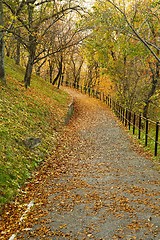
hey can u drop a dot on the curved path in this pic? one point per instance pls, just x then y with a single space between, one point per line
94 186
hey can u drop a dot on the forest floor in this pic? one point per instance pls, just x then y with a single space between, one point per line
94 186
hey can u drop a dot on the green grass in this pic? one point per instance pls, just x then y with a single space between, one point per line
37 112
150 148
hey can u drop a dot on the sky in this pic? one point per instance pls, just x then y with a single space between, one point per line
88 3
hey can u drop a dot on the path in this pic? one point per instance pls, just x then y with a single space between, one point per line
94 186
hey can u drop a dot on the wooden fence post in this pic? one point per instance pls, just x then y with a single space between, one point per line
126 116
134 123
146 133
139 127
110 102
156 139
129 120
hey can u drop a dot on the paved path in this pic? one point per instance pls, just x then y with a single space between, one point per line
95 185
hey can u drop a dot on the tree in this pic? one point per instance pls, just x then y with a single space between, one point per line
124 41
63 41
32 16
76 63
2 70
135 32
147 34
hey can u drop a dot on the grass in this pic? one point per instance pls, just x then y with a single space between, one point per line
37 112
150 148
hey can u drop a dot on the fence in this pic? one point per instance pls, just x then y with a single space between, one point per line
144 128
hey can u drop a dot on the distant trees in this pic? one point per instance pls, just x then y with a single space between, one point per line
30 23
117 38
125 42
63 42
76 61
143 19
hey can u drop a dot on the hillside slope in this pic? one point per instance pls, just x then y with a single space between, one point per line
27 117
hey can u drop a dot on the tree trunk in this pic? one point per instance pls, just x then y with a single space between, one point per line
145 109
18 50
28 73
38 70
30 63
155 77
50 74
90 76
50 71
59 82
2 70
58 77
8 50
31 47
76 73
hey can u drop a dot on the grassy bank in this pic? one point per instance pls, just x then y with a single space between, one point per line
35 113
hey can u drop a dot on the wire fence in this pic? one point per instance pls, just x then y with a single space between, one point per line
145 129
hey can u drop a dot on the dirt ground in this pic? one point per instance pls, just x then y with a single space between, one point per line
94 186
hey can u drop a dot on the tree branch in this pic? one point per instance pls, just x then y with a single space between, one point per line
135 32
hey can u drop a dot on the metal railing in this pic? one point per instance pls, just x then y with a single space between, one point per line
144 128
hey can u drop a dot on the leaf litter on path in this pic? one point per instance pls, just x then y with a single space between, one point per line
93 186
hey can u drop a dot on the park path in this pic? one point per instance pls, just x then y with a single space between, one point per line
94 186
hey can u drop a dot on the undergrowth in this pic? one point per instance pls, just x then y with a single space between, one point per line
37 112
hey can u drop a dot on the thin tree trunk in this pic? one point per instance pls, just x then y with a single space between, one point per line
50 71
59 82
155 77
76 73
18 50
59 73
8 50
2 70
31 48
28 73
38 70
90 76
50 74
